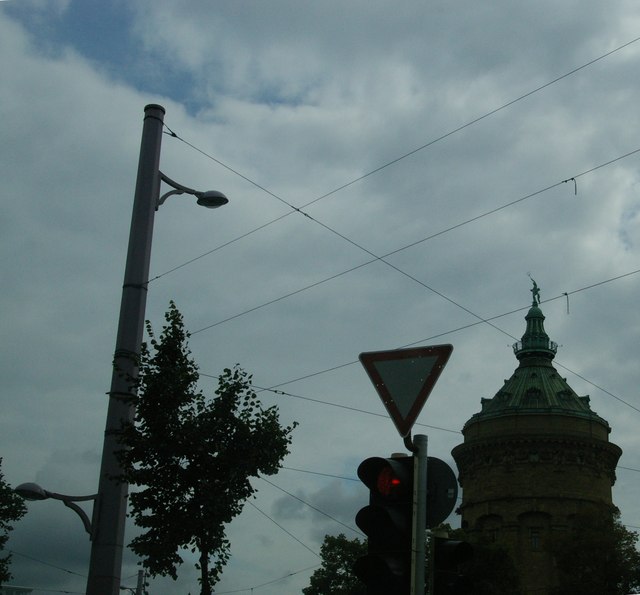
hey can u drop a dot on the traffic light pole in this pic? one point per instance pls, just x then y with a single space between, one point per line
418 549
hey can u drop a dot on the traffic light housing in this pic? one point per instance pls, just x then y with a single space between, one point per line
449 560
388 524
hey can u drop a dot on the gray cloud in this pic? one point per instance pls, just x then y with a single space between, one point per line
302 101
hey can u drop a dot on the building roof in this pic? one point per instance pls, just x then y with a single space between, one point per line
535 386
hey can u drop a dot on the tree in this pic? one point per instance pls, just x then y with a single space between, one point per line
491 570
335 576
12 509
190 457
597 556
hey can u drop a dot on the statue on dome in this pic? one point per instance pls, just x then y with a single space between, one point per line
535 290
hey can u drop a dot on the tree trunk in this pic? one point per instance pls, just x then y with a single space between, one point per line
204 573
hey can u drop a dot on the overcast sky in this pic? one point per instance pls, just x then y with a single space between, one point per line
449 149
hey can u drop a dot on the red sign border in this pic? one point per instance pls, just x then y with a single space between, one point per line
367 359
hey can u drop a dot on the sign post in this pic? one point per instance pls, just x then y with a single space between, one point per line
418 549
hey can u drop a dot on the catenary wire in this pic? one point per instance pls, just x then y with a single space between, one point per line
476 120
304 545
39 590
331 475
377 169
276 580
426 286
329 403
413 244
460 328
280 392
311 506
377 258
319 473
45 563
276 390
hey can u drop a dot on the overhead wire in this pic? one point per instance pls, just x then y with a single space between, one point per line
355 409
304 545
411 245
271 582
277 390
375 257
375 170
331 475
318 510
442 295
463 327
45 563
39 590
329 403
476 120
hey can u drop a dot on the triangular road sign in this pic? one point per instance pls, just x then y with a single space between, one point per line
404 379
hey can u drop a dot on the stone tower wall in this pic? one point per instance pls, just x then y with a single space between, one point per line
525 477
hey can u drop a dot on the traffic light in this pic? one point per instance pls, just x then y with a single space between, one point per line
388 524
449 559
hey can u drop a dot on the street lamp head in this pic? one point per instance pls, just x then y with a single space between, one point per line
31 491
212 199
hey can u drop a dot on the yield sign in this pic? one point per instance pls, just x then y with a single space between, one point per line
404 379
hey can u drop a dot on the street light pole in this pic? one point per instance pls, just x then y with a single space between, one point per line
106 529
110 509
111 505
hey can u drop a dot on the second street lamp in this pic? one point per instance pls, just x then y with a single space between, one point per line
111 502
33 492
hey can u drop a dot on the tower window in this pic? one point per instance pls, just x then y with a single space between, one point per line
534 538
533 398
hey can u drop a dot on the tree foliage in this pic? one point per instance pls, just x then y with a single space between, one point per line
12 509
190 457
491 570
335 576
597 556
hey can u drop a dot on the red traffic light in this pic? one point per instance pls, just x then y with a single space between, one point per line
389 478
388 483
387 523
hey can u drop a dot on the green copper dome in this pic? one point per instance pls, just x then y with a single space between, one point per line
535 387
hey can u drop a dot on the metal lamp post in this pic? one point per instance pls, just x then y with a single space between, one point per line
111 502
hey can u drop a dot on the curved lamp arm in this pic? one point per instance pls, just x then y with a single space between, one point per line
69 503
32 491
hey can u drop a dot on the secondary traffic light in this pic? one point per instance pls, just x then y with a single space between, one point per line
449 558
388 524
